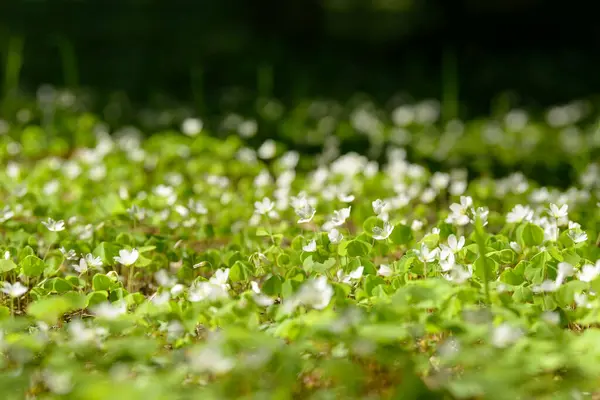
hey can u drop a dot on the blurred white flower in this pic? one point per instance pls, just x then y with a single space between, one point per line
505 335
54 226
127 257
109 310
192 126
16 289
310 247
383 233
335 236
385 270
220 278
265 206
519 214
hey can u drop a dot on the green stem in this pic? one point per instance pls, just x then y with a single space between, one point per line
130 278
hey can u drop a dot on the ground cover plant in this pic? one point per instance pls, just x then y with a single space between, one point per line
184 266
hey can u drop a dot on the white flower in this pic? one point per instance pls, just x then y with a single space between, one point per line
546 286
447 260
15 289
519 214
559 213
516 247
340 216
416 225
459 274
110 310
220 278
335 236
265 206
459 214
505 335
206 291
267 150
191 126
581 300
211 359
578 237
345 198
310 247
54 226
589 272
353 275
255 287
385 270
92 261
564 270
383 233
82 267
455 244
379 206
306 212
127 257
315 293
426 255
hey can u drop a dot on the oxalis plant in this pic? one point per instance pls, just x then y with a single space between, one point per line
182 266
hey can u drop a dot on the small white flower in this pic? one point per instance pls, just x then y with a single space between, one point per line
206 291
127 257
335 236
340 216
426 255
310 247
82 267
519 214
455 244
346 198
265 206
94 262
306 212
267 150
379 206
557 212
220 278
191 126
385 270
516 247
564 270
383 233
546 286
505 335
16 289
315 293
211 359
255 287
589 272
578 237
54 226
110 310
353 275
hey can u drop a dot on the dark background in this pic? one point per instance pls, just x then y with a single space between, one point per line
197 50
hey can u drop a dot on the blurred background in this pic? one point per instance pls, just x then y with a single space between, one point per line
224 53
491 86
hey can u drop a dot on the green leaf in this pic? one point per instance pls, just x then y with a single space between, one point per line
239 272
32 266
401 234
530 235
106 251
101 282
357 248
7 265
97 297
272 286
